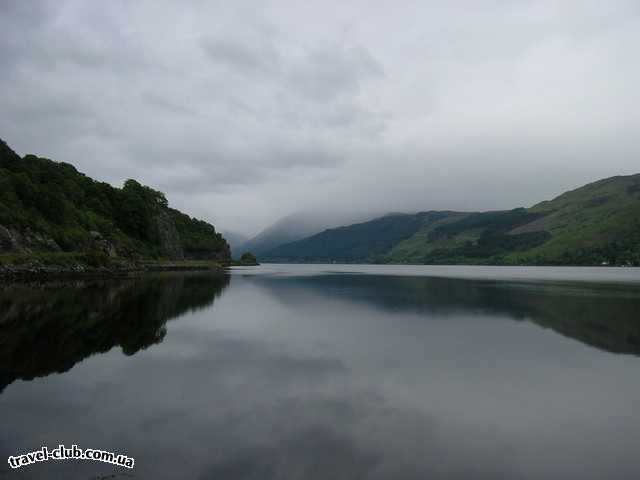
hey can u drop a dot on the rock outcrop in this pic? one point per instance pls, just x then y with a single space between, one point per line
170 243
14 241
102 244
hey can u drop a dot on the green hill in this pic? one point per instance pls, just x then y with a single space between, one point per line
595 224
362 242
49 207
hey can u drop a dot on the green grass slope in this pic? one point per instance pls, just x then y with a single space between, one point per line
595 224
470 238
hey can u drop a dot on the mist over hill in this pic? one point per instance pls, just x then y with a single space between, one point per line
596 224
299 225
235 241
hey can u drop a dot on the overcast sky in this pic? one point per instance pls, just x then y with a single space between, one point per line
243 112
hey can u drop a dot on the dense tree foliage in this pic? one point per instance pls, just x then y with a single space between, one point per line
248 258
52 200
199 238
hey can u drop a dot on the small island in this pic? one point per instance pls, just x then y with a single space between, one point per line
247 259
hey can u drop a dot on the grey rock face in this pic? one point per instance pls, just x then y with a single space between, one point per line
11 240
102 244
170 243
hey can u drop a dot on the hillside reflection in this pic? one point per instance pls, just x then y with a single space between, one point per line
49 327
604 316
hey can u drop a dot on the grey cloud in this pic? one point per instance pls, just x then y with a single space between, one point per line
240 56
16 19
224 170
347 103
326 74
160 102
44 38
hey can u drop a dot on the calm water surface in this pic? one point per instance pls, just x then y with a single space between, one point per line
328 372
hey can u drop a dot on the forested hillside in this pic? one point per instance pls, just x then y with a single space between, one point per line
361 242
592 225
48 206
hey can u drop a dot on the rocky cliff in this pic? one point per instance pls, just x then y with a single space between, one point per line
168 236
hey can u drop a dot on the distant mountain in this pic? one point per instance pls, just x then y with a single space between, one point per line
595 224
49 207
296 226
235 241
361 242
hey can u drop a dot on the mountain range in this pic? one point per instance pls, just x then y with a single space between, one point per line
596 224
49 207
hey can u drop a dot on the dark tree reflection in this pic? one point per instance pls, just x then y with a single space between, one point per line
49 327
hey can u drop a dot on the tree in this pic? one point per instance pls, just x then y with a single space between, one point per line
248 258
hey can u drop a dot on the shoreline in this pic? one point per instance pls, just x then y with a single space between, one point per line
35 272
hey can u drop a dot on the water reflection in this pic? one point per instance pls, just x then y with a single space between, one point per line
605 316
49 327
329 376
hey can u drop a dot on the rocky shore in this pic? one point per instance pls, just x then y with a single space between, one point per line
35 270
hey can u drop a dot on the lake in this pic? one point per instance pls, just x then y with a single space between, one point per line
328 372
